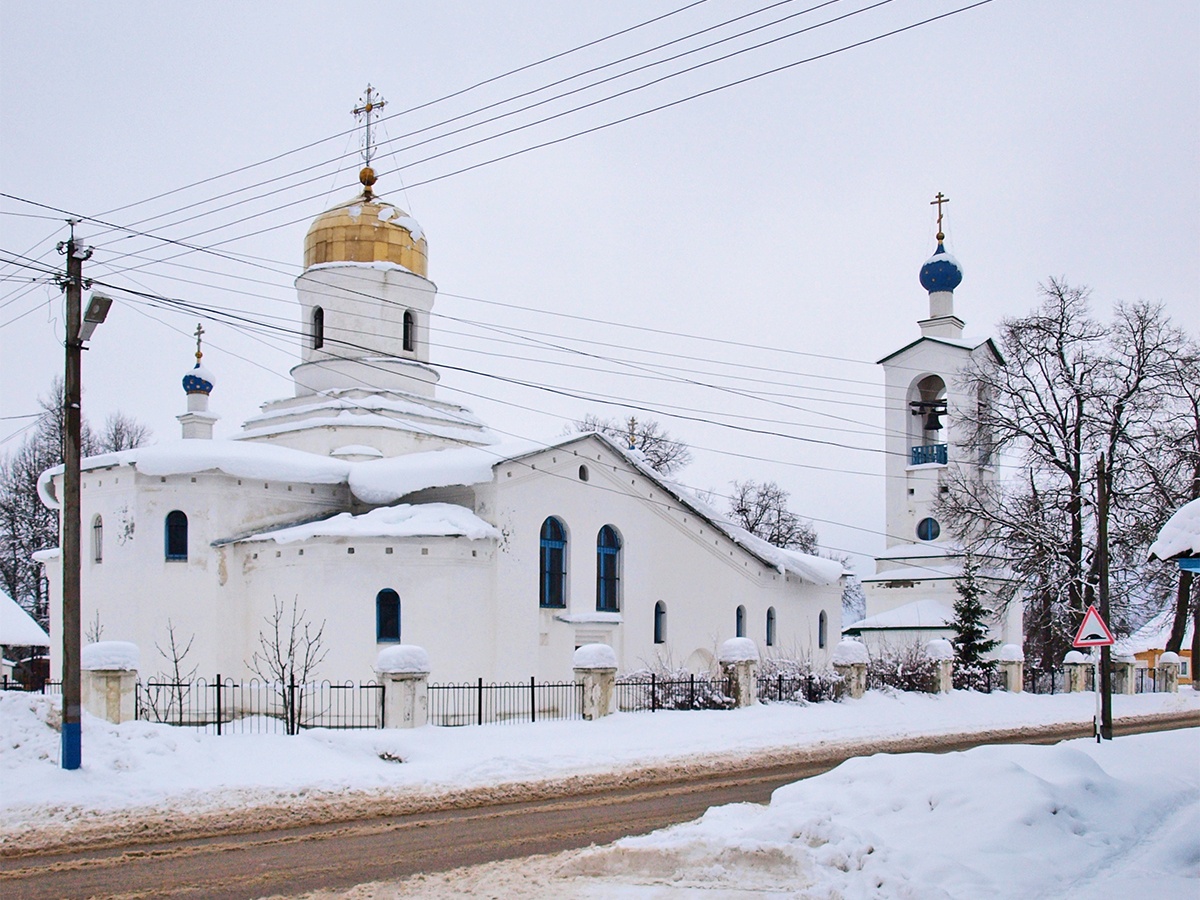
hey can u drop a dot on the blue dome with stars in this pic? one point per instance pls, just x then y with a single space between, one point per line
198 380
941 271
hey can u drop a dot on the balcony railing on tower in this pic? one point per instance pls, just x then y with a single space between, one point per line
929 453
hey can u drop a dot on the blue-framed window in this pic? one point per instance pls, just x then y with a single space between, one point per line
410 330
608 567
387 615
741 621
660 622
318 328
928 529
822 629
771 626
552 593
176 535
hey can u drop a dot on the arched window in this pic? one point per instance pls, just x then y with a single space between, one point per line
771 626
318 328
822 629
608 565
97 539
660 622
410 330
928 529
387 615
177 535
553 589
741 621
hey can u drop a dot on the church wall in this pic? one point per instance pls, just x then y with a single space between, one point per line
668 554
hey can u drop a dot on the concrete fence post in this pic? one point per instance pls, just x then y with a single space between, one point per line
1166 673
1076 667
849 659
941 651
1012 668
1123 673
739 663
109 677
596 670
404 673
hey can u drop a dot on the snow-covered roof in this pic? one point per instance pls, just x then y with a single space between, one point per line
918 614
379 481
915 573
1181 535
18 627
1153 634
967 343
405 520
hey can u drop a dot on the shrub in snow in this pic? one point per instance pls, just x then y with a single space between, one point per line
738 649
109 655
594 656
850 652
402 659
795 681
671 688
905 669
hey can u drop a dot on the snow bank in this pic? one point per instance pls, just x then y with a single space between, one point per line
594 656
738 649
850 652
403 658
112 655
405 520
1181 534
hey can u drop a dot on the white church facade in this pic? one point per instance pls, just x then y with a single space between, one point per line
390 515
910 597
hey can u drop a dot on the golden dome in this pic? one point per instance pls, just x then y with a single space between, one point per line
367 229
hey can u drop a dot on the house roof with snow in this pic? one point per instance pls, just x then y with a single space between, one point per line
1153 634
918 615
1180 536
17 627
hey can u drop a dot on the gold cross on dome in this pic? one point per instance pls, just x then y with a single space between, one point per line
938 201
199 331
369 103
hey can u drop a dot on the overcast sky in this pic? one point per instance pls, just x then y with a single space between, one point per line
762 239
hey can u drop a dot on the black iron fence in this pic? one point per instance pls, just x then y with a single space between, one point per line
45 687
225 706
808 688
483 704
647 692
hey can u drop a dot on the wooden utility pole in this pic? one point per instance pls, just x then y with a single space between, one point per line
1105 685
72 754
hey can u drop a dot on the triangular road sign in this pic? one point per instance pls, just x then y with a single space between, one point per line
1093 632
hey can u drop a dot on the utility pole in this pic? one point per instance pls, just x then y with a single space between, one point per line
1105 685
72 754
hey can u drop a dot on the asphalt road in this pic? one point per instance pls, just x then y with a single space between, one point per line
342 854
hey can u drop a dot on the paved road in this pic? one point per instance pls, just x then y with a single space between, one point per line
340 855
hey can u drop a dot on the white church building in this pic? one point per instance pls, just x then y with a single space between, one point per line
391 515
910 597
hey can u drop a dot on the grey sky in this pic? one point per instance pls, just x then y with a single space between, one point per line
791 212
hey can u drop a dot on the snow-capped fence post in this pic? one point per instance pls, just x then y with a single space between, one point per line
109 683
739 665
1012 668
941 651
1123 672
850 659
1166 673
596 672
404 672
1076 666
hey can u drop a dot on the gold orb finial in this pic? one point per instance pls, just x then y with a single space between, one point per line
367 178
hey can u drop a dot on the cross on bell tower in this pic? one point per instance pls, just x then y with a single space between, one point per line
370 103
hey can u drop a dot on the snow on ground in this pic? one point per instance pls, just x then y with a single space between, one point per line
139 770
1076 820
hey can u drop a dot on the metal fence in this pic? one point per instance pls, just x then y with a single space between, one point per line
649 693
46 687
796 688
483 704
225 706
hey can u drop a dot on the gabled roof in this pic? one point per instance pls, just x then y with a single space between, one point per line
1180 537
17 627
949 342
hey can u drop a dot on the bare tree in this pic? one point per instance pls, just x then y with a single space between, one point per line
664 453
94 630
288 655
762 509
178 681
1071 389
122 432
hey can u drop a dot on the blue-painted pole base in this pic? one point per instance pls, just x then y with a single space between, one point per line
72 745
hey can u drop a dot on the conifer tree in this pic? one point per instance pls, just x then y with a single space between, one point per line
970 639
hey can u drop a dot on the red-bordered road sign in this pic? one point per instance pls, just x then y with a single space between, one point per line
1092 631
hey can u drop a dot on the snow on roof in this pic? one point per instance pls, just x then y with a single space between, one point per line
387 480
918 614
405 520
18 627
915 573
1181 535
1153 634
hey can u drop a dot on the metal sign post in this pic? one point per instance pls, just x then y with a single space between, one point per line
1093 632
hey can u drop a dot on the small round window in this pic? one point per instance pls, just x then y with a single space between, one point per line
583 473
928 529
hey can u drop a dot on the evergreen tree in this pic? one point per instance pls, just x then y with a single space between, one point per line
970 639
